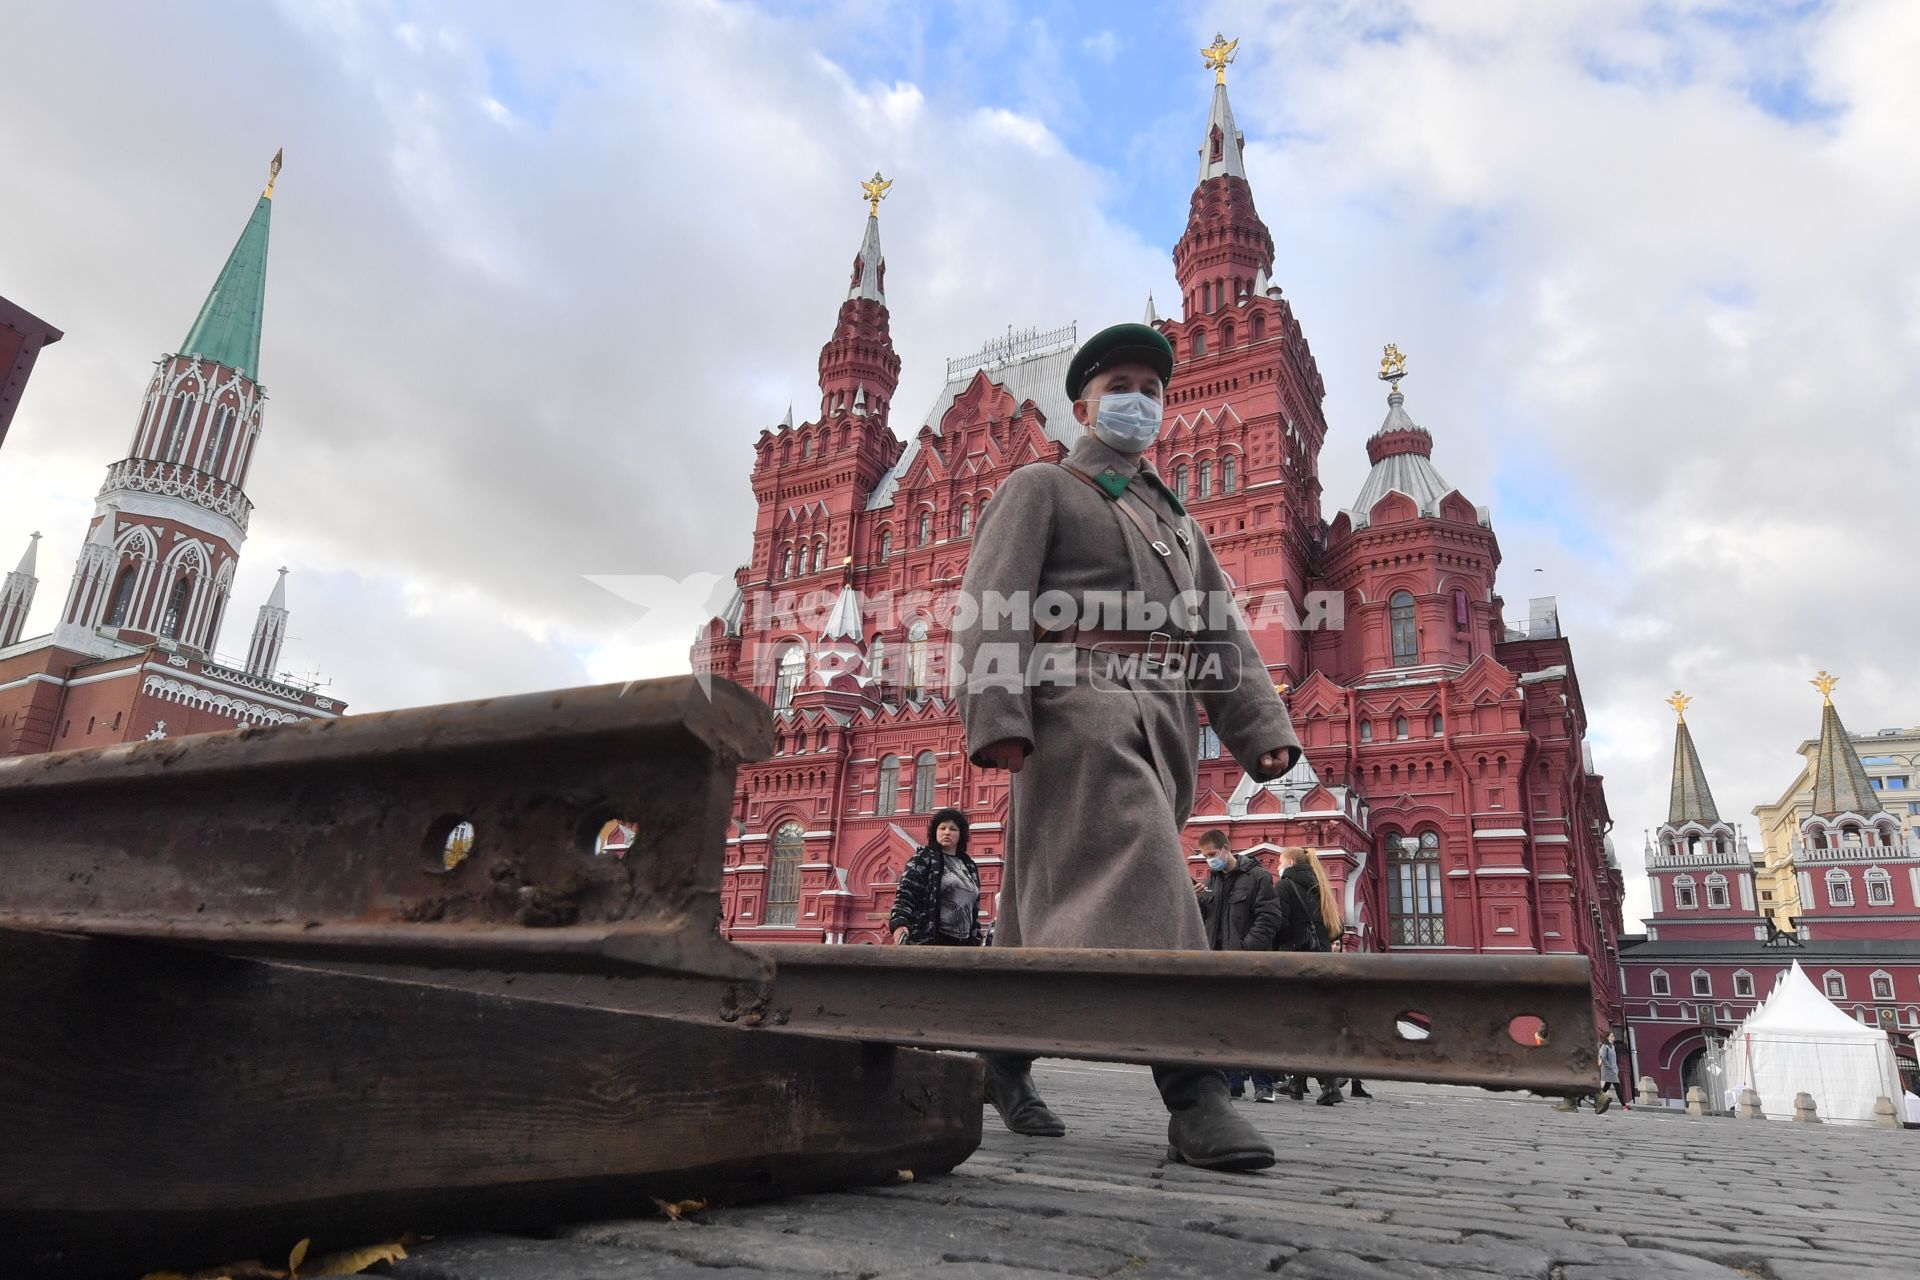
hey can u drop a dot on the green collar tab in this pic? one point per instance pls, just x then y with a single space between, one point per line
1112 483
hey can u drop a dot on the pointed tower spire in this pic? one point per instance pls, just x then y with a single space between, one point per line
227 330
30 558
1226 246
1840 781
1689 799
16 594
1221 146
1153 315
860 353
269 631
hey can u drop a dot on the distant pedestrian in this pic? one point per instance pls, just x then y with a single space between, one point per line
1309 921
1238 907
1572 1101
937 903
1610 1070
1351 942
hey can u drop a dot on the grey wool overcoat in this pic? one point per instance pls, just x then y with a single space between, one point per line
1093 848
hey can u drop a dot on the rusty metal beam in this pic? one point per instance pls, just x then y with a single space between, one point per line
321 844
336 831
1349 1014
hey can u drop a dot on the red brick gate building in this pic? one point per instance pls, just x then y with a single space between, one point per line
1446 780
1711 955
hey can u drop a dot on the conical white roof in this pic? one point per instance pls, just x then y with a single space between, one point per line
1798 1008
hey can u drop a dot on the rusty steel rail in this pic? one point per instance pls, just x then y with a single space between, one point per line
322 845
334 834
1443 1019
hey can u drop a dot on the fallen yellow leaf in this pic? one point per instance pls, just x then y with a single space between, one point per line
905 1175
679 1209
298 1256
351 1262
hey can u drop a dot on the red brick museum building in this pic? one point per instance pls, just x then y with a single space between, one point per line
1446 780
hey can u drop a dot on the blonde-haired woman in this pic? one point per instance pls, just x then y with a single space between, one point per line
1309 921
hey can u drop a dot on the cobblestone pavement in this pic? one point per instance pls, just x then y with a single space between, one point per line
1424 1181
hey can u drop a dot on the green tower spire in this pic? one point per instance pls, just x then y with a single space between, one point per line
227 330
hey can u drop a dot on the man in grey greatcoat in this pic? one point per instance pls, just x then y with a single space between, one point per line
1097 616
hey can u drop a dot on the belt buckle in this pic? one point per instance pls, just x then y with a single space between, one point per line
1166 651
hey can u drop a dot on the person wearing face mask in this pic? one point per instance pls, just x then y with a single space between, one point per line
1242 913
1094 714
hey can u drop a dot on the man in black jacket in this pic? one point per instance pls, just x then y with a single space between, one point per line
1241 912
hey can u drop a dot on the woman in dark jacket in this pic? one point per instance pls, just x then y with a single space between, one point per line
937 903
1309 921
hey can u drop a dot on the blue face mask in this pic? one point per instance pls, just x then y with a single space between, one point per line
1218 862
1127 420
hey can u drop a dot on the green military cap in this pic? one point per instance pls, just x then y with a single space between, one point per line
1120 344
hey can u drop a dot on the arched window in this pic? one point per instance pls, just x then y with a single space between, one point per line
1259 326
786 564
1181 474
1406 640
886 544
926 527
786 680
1399 726
966 520
122 598
177 427
1834 983
216 439
1839 888
1702 983
1439 724
1659 984
783 881
923 782
1209 742
1684 897
917 661
1879 887
1416 914
1226 474
888 798
1882 985
1206 480
176 608
1200 339
1717 891
1226 335
1743 984
877 660
1366 731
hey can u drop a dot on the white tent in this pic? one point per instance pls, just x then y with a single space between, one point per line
1799 1042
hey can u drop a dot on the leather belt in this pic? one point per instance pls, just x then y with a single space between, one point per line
1157 647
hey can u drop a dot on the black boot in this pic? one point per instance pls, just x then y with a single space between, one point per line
1010 1091
1358 1091
1203 1128
1297 1088
1329 1093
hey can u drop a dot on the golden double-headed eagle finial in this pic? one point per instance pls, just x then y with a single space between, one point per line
1680 702
1218 55
273 172
875 191
1824 683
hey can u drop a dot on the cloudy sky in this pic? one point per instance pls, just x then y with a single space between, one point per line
540 275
